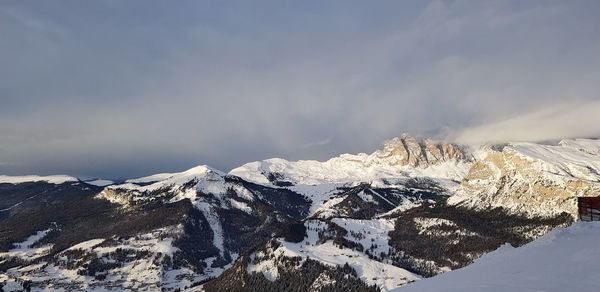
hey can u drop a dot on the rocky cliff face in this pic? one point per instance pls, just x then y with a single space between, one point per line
532 179
410 151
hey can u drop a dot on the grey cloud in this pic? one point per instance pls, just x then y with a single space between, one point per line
161 88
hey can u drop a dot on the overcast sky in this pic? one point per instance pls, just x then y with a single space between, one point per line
120 89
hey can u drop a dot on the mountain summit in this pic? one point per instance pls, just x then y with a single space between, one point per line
408 150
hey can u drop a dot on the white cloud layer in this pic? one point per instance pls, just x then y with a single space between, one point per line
565 120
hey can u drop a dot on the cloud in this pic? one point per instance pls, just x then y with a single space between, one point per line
164 87
565 120
316 143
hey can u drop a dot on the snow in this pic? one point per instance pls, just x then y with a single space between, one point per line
53 179
321 282
25 250
366 197
578 158
321 182
151 178
100 182
205 180
241 205
375 231
318 194
395 160
565 259
345 168
406 204
215 224
425 226
206 183
143 274
167 179
326 208
209 180
268 268
373 272
87 244
325 197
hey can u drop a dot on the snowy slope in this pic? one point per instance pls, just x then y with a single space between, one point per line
26 250
372 272
53 179
533 179
201 177
565 259
139 263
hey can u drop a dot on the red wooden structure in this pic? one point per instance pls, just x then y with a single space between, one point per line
589 208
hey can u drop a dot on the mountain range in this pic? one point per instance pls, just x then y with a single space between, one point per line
357 222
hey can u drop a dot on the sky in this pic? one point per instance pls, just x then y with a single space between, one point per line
121 89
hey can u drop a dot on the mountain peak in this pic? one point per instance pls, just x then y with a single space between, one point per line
400 156
419 152
199 170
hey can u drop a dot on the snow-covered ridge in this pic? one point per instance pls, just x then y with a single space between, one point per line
578 158
53 179
168 179
401 157
99 182
152 178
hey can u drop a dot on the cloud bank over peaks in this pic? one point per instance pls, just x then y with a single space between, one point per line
569 119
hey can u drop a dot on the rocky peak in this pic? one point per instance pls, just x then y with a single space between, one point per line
532 179
416 152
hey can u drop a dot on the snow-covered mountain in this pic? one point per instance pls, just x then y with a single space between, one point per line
404 156
532 178
413 209
170 233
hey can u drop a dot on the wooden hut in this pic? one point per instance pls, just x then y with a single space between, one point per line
589 208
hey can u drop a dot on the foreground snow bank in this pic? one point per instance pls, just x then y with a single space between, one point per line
565 259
